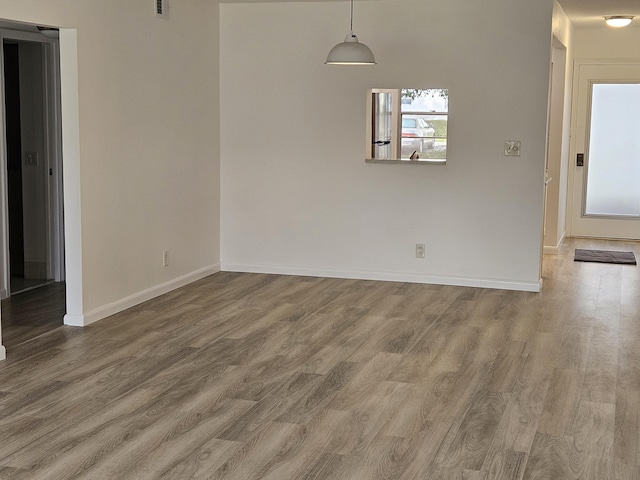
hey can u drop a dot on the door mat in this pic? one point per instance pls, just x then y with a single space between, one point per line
605 256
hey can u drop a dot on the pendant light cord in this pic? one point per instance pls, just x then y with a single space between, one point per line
351 17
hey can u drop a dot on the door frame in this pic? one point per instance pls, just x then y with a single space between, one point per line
53 160
70 114
555 186
579 138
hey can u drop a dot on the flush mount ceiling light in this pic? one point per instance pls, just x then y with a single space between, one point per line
618 20
351 52
49 32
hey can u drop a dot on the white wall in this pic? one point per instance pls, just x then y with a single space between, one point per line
296 194
607 43
147 124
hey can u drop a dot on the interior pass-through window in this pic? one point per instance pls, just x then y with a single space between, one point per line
408 124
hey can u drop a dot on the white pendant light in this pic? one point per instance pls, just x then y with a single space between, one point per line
350 52
618 20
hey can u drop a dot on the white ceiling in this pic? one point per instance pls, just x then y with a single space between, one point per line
590 13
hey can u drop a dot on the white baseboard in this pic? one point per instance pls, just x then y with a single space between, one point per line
553 249
74 320
132 300
385 276
3 352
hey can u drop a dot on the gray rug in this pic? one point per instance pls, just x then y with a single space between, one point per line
605 256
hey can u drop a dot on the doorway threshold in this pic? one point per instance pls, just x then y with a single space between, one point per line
21 284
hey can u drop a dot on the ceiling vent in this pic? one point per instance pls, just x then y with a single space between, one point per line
162 8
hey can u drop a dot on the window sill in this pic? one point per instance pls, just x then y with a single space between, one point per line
406 161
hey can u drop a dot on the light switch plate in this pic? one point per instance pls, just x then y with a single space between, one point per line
31 158
512 148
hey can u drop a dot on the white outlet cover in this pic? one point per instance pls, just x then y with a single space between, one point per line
512 148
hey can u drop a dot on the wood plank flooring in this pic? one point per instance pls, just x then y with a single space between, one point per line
31 313
247 376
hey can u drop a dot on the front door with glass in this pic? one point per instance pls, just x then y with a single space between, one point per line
606 191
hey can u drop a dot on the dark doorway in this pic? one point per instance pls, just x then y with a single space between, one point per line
14 158
33 288
28 183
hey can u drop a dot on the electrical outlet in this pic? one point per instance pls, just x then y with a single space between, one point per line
165 258
419 250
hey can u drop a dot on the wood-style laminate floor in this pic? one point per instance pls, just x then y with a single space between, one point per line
33 312
246 376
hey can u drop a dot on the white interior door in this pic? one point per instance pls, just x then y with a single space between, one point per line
606 183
